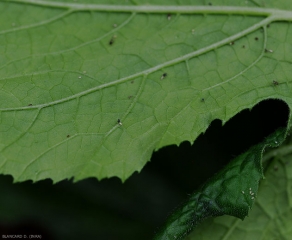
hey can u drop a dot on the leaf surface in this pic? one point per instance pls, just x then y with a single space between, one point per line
70 70
230 192
271 216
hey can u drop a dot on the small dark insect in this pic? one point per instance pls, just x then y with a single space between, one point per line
210 4
30 104
275 83
269 51
164 75
268 25
256 38
119 122
132 81
231 43
202 99
111 42
243 46
68 136
168 16
129 97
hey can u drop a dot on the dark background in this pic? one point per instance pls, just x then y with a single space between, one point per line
111 210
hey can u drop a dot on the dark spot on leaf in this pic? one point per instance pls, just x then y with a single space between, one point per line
129 97
243 46
30 104
202 99
68 136
268 25
168 16
256 38
232 43
119 122
275 83
111 42
276 168
164 75
210 4
132 81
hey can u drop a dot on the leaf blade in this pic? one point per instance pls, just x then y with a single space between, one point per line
67 79
230 192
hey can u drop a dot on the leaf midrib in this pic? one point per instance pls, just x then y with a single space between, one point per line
255 11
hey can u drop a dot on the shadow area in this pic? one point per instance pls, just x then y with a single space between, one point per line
108 209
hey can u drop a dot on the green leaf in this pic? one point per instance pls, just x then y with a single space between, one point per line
231 192
69 71
271 217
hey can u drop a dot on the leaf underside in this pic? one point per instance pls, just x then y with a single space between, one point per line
69 73
92 88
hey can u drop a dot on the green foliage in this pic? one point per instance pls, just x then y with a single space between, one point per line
92 88
231 192
69 71
271 216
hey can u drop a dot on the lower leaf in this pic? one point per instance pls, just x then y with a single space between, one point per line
230 192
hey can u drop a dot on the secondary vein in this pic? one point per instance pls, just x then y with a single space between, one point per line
156 68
